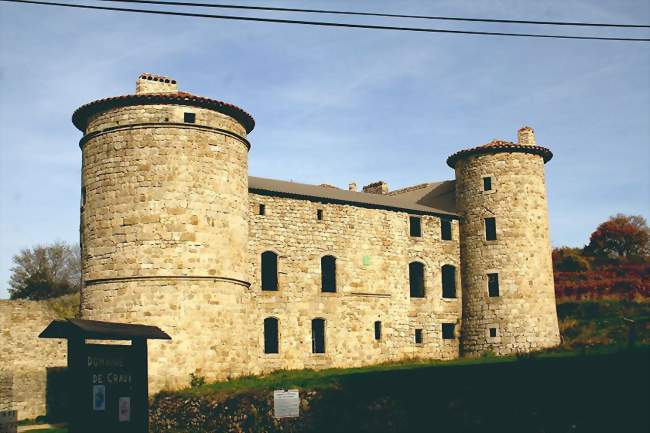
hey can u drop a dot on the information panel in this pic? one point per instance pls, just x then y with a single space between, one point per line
286 404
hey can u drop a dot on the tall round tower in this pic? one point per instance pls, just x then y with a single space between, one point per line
164 224
507 274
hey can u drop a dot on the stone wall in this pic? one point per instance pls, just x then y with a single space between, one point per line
25 358
372 249
524 314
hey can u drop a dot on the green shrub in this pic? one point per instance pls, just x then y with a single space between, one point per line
196 380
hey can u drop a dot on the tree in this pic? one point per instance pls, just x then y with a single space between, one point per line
46 271
567 259
621 237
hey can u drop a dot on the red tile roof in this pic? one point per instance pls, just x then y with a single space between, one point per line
499 146
82 114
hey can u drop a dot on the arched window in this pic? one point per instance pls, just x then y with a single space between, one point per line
269 270
318 336
416 279
328 273
271 335
448 281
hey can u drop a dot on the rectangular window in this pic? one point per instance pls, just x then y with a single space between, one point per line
377 330
445 229
487 183
448 331
415 227
493 332
189 117
490 229
318 336
262 209
493 285
418 336
319 214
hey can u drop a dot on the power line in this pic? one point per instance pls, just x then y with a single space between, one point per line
324 24
376 14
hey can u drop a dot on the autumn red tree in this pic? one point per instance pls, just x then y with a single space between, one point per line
621 237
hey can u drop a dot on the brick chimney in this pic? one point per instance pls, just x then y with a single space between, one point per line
352 186
379 187
526 136
150 83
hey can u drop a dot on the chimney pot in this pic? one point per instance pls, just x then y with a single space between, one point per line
352 186
149 83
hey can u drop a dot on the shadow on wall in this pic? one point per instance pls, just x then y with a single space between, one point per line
57 398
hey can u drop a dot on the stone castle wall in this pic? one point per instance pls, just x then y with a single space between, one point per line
25 358
524 314
375 291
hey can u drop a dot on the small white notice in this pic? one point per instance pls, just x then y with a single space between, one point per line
124 405
286 404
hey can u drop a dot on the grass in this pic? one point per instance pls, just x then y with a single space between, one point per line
47 430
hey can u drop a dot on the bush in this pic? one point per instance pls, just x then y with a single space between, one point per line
196 380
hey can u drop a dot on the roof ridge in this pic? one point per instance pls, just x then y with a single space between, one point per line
410 188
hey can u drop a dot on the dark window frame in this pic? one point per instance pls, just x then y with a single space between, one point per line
271 335
189 117
448 331
328 274
318 341
419 338
269 271
493 285
487 183
446 231
493 332
417 288
448 277
319 214
490 229
262 209
377 330
415 226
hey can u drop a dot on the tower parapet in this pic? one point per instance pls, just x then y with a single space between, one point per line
508 289
164 223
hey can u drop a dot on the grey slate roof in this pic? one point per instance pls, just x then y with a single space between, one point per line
435 201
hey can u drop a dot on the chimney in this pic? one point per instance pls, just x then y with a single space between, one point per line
150 83
526 136
379 187
352 186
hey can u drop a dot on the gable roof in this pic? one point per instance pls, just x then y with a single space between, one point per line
436 204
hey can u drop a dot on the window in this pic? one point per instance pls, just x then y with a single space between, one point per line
493 332
189 117
328 273
319 214
418 336
262 210
269 270
415 227
448 331
493 285
83 197
271 335
416 279
448 281
487 183
318 336
445 229
490 229
378 330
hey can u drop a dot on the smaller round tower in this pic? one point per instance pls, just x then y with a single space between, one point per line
507 274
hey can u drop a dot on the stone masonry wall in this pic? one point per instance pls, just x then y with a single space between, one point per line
524 314
165 234
377 290
25 358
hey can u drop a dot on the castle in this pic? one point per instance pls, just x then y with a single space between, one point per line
250 275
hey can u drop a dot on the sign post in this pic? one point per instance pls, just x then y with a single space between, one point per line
108 382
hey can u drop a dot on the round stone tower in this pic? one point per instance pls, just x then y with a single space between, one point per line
507 274
164 224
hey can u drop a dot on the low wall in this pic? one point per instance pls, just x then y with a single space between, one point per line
26 359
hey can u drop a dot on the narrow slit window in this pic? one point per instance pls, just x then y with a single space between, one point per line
83 197
377 330
319 214
328 274
493 332
448 281
189 117
445 229
448 330
416 279
490 229
487 184
262 209
418 336
415 226
271 339
318 336
269 271
493 285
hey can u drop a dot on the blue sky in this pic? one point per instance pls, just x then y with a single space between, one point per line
337 105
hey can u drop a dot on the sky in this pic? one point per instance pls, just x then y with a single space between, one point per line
337 105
